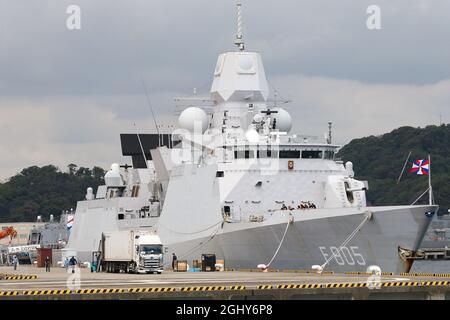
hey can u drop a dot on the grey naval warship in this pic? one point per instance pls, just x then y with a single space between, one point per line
232 180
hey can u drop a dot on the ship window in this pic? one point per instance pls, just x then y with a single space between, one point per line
120 216
266 153
243 154
312 154
284 154
219 174
329 154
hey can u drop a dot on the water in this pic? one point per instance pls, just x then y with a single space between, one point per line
442 266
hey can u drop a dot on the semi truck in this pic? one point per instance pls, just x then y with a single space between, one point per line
132 252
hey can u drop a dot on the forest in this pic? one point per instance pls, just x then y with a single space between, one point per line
380 159
45 190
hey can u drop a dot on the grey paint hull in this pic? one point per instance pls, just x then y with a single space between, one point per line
311 236
307 242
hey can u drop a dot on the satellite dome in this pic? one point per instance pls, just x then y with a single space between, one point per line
257 118
89 194
252 135
283 120
193 117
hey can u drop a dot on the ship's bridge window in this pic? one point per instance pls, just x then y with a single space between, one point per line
289 154
244 154
329 154
266 153
312 154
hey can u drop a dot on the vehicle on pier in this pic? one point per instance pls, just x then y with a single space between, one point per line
132 252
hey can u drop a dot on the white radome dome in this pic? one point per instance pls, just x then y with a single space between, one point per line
252 135
192 117
283 120
90 194
115 167
258 118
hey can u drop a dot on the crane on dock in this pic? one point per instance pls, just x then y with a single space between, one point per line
9 231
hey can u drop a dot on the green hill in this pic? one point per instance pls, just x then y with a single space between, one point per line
44 191
380 160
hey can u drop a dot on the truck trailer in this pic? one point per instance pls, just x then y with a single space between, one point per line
132 252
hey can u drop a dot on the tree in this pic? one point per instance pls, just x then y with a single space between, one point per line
45 190
380 160
72 168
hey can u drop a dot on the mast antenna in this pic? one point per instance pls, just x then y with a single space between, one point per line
239 41
330 128
151 109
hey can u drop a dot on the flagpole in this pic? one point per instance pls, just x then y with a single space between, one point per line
429 181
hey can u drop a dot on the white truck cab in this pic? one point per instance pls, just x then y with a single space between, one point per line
149 253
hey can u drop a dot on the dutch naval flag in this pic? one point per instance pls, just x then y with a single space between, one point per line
69 224
420 167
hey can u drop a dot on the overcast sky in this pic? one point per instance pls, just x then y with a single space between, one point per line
66 95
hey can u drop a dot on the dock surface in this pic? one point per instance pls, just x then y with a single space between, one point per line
34 283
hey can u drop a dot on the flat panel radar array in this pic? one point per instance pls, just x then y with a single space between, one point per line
131 146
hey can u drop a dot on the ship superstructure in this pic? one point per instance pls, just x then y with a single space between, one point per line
235 182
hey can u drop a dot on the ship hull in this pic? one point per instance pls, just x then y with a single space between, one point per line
311 240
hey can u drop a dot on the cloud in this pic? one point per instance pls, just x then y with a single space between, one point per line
63 130
66 95
360 109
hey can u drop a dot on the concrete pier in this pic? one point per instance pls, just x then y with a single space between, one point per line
35 283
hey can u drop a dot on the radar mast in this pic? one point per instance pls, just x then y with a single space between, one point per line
239 41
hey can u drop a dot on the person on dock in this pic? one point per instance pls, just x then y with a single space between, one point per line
47 264
174 261
15 262
73 263
66 263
